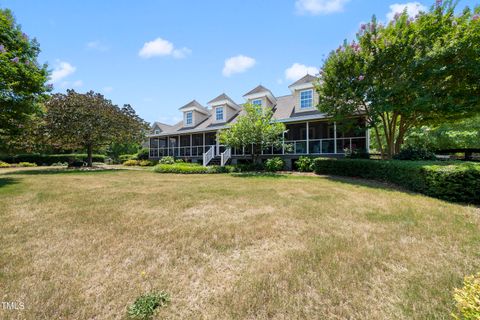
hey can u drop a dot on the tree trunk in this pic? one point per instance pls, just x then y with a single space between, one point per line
89 156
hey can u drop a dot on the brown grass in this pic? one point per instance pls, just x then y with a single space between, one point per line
73 246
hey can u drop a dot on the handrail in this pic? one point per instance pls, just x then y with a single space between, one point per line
225 156
209 155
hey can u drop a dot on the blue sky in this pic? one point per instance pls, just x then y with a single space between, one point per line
159 55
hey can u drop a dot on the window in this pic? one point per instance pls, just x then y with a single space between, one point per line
219 114
157 131
306 99
257 102
189 118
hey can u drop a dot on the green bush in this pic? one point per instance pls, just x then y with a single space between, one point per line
452 181
125 157
415 153
249 167
146 163
5 165
304 164
48 159
26 164
468 299
131 163
184 168
142 154
145 305
274 164
167 160
179 161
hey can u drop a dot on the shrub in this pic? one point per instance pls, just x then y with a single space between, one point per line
415 153
48 159
248 167
274 164
184 168
453 181
167 160
304 164
145 163
131 163
468 299
145 305
59 164
125 157
5 165
142 154
179 161
26 164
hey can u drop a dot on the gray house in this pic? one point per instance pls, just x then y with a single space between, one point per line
309 132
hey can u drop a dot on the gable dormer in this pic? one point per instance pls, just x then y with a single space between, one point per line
223 108
261 96
193 113
158 128
304 94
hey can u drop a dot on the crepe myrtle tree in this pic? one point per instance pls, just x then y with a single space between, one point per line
254 128
411 72
22 79
89 121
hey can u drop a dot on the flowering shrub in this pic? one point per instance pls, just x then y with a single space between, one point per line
468 299
167 160
304 164
131 163
5 165
146 163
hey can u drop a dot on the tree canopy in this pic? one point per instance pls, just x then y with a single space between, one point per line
22 79
254 129
75 120
411 72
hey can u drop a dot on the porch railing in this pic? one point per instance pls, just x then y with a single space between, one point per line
209 155
225 156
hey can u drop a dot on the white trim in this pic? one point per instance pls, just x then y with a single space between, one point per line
225 102
215 114
185 117
262 94
300 99
308 85
194 108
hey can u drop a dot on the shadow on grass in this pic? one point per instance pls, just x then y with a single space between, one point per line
7 181
59 171
259 175
374 184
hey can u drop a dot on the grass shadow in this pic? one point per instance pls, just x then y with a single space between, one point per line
259 175
7 181
59 171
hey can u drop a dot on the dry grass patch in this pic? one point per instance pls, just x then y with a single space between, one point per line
74 246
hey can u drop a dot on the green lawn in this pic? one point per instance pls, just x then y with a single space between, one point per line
75 245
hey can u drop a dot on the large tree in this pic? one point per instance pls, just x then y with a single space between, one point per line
254 128
89 121
22 79
412 72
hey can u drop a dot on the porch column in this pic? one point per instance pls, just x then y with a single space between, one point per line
335 137
367 137
178 145
217 144
191 145
308 138
168 145
203 150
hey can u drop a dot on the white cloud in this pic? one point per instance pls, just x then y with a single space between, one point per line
69 84
97 45
237 64
162 47
317 7
297 70
107 89
62 69
77 83
413 8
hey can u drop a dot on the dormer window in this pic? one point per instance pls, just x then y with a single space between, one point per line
306 99
189 118
219 114
157 131
257 102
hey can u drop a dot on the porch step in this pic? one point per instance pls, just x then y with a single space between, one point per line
215 161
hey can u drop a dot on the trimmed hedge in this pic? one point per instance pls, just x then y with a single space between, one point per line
191 168
48 159
459 182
